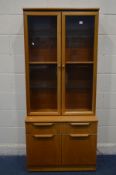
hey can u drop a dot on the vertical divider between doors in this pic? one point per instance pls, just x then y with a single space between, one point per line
61 98
63 63
61 143
59 62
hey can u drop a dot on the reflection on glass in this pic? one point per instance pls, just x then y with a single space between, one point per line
42 38
78 82
79 38
43 87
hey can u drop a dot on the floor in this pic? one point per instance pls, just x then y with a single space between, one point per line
16 165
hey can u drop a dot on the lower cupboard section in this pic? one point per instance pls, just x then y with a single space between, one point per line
56 151
61 146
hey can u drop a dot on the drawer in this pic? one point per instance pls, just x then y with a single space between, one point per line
80 127
42 128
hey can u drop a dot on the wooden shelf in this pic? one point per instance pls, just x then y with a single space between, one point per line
44 30
43 62
79 62
34 110
78 110
67 62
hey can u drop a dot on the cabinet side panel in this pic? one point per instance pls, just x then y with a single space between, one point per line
26 62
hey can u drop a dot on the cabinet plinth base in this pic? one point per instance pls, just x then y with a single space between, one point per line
80 168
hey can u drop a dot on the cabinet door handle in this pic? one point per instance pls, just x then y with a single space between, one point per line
80 124
59 66
63 66
42 124
79 135
43 136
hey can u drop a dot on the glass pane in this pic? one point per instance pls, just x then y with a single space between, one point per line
42 38
78 82
79 38
43 87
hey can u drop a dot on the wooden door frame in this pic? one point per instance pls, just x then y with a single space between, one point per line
26 41
81 13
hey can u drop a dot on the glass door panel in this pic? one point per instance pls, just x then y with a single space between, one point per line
43 62
43 88
78 85
79 38
42 38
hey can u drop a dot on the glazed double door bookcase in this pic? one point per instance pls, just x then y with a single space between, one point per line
61 56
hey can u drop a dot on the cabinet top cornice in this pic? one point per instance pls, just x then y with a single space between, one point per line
61 9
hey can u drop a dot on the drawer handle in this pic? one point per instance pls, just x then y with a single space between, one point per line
43 136
42 124
79 135
80 124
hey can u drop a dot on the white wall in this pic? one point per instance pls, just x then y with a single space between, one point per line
12 79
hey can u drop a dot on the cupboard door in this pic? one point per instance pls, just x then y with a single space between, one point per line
79 37
43 150
78 149
43 62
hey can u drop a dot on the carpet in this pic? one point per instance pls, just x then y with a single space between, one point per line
16 165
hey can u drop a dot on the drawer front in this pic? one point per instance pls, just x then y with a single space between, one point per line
80 127
42 128
78 149
43 150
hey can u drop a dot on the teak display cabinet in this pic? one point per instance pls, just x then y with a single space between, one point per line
61 68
